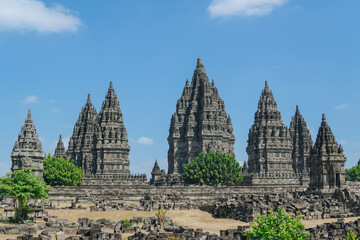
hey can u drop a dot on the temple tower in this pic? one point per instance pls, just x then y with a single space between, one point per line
112 149
60 149
327 160
200 123
27 151
269 146
81 144
302 144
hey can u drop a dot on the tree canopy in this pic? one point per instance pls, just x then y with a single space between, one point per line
277 226
353 174
23 185
213 169
61 172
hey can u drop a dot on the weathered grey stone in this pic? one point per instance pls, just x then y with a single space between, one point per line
269 146
81 144
327 170
27 151
200 123
60 149
60 236
302 144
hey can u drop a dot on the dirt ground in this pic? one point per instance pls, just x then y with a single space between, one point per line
195 219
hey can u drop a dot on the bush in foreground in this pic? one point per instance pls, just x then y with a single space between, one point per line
277 226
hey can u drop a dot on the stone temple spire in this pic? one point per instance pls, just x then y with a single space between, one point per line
27 151
269 145
60 149
301 141
81 143
112 148
200 123
327 160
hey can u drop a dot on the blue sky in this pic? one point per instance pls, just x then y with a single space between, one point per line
53 53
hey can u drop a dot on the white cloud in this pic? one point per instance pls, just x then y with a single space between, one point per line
343 142
55 110
342 106
220 8
146 141
66 142
34 15
30 99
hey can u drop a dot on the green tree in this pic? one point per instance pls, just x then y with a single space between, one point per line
213 169
351 236
59 171
23 185
353 174
277 225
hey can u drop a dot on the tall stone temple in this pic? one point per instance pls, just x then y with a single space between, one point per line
327 160
302 144
269 146
200 123
99 144
111 148
60 149
27 151
81 144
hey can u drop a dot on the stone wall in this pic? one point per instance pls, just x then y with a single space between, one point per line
136 192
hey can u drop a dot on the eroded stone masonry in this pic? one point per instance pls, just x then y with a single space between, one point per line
278 156
284 166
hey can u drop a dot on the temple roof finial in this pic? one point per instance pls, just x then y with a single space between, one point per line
111 84
29 114
323 117
266 84
88 98
199 62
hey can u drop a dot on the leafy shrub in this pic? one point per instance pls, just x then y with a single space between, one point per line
351 236
277 226
213 169
160 216
127 223
59 171
23 185
353 174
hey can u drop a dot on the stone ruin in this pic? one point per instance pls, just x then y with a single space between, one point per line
284 167
277 155
27 151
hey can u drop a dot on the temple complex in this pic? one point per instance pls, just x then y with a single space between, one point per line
278 156
327 160
27 151
60 149
269 146
200 123
302 144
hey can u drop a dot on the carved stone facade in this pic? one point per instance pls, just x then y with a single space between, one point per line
158 177
269 146
81 144
111 139
60 149
99 144
302 144
327 160
200 123
27 151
